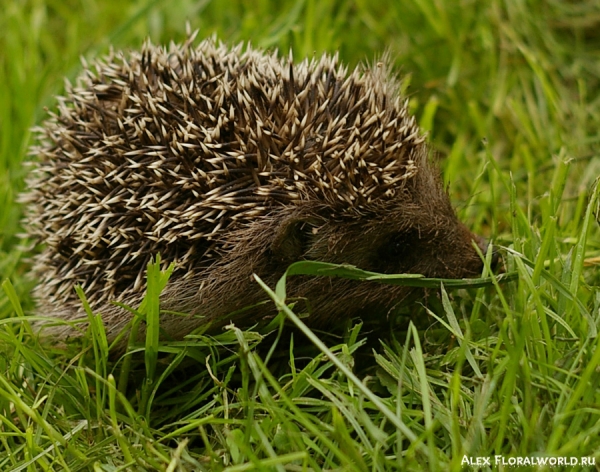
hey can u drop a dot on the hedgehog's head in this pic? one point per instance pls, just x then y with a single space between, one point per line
412 229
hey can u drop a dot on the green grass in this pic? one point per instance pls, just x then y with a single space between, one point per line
509 93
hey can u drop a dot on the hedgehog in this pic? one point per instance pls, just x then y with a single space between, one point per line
228 162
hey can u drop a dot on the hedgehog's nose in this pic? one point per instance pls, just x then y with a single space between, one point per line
495 258
484 246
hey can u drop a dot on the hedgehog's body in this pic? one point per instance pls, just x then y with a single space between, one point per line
230 163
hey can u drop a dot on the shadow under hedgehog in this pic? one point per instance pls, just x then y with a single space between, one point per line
229 162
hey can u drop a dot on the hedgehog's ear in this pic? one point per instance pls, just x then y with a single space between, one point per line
291 240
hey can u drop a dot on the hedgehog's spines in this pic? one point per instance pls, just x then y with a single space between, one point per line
167 149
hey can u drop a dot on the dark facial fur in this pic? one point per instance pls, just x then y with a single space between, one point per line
230 163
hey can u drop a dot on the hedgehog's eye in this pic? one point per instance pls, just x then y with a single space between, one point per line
404 241
400 252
